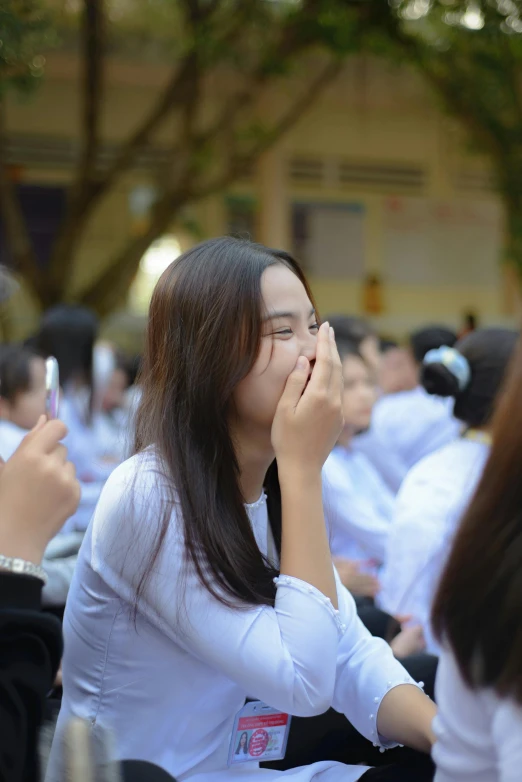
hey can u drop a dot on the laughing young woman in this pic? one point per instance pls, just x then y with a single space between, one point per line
205 575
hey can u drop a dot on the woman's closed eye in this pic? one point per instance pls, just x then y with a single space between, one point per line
286 332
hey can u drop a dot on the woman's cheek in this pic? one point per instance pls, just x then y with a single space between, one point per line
284 357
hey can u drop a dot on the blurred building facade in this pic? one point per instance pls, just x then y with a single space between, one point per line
373 190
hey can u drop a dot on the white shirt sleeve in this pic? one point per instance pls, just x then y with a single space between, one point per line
59 576
385 460
348 511
366 671
507 738
283 655
417 536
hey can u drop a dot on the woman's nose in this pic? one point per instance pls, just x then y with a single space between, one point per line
308 346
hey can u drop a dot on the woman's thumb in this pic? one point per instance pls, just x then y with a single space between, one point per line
39 424
297 381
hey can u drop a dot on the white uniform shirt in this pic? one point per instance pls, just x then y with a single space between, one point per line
383 458
413 424
479 735
358 506
428 509
11 436
170 686
83 450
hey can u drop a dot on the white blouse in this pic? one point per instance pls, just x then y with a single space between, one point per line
83 451
479 735
413 424
383 457
11 436
358 506
170 684
429 507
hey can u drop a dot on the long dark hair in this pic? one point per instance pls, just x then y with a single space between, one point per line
203 337
488 353
478 607
68 332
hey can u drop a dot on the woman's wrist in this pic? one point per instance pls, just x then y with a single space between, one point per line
305 476
13 545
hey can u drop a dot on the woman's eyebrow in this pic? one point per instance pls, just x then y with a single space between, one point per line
281 314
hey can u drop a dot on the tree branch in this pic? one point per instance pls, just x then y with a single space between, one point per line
106 291
177 94
289 119
453 87
177 90
14 224
512 67
288 46
92 34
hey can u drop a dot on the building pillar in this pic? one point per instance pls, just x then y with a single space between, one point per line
274 222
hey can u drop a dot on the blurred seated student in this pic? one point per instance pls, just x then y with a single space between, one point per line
69 333
22 402
413 423
397 369
383 457
436 492
397 373
111 415
22 395
358 504
477 617
359 507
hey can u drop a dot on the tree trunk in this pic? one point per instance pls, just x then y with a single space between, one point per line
513 237
13 221
67 244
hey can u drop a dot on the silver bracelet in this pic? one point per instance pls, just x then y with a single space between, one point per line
22 567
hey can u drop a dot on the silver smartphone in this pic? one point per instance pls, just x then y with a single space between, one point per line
52 387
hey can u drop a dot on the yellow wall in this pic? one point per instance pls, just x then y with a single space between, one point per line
374 113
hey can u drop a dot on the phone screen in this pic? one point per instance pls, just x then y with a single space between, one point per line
52 387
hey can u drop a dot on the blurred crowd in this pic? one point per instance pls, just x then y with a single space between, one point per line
97 396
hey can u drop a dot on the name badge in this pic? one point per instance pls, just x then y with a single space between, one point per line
260 734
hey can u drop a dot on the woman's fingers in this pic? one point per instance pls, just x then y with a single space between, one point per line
60 453
322 371
46 435
296 383
337 370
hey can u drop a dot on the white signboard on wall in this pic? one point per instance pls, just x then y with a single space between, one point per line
429 242
329 239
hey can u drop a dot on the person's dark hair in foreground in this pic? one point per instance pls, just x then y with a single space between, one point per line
478 608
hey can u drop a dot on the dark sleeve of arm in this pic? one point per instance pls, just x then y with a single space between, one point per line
30 653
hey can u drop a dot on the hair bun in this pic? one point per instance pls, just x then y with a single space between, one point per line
445 372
